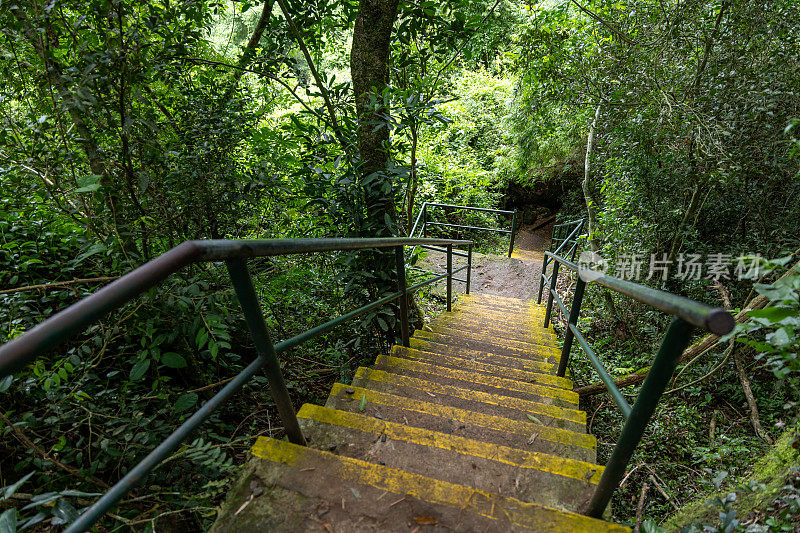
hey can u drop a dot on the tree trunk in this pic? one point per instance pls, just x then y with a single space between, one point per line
591 204
369 67
250 50
412 184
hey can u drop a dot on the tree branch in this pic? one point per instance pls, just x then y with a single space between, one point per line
322 89
614 30
56 284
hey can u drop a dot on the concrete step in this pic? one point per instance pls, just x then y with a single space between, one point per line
523 474
527 255
498 322
520 433
305 489
493 345
546 411
487 365
514 360
508 333
541 384
495 299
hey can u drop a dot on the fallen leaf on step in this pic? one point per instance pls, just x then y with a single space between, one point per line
425 520
363 404
534 419
355 493
533 438
326 527
430 394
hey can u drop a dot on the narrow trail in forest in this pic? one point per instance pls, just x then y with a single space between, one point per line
514 277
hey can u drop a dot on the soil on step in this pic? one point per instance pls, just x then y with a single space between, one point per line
515 277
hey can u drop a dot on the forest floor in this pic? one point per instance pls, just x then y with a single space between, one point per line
513 277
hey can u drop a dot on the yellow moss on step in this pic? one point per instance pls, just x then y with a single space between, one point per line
533 368
436 347
546 385
487 504
497 423
537 346
526 335
429 387
560 466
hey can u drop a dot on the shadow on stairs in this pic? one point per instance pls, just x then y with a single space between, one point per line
468 429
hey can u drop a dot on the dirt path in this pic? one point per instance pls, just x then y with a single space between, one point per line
514 277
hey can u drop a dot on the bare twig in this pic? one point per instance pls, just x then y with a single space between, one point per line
755 420
322 88
596 17
56 284
458 51
24 440
639 508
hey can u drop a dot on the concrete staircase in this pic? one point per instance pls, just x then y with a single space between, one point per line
468 429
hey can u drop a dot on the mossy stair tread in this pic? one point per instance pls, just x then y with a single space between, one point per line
495 299
492 365
539 384
497 314
506 406
358 493
516 433
492 344
478 331
532 344
527 475
513 360
498 323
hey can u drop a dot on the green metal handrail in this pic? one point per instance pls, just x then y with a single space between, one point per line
688 314
558 233
422 217
235 253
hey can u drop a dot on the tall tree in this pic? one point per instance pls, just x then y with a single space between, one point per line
369 67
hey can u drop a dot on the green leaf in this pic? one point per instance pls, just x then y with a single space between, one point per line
534 419
773 314
779 338
63 513
382 323
363 405
184 402
173 360
8 521
139 369
6 382
11 489
88 183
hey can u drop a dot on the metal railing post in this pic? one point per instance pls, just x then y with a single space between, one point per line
574 310
553 280
425 220
469 265
246 293
513 232
542 274
401 286
675 341
449 276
